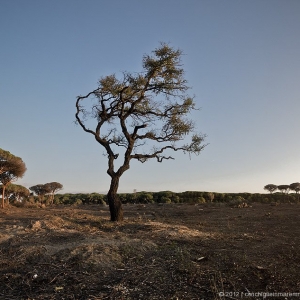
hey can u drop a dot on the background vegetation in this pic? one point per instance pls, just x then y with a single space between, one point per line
143 197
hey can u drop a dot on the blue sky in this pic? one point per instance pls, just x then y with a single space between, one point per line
241 59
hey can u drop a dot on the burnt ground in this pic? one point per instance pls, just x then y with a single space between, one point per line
171 251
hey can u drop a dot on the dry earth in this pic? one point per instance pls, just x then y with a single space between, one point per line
173 251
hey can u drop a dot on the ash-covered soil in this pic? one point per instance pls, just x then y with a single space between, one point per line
171 251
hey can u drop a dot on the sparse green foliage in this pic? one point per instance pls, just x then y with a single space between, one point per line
143 114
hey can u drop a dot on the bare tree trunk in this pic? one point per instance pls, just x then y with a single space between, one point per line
3 193
114 202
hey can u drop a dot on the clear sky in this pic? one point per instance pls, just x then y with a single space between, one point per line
241 58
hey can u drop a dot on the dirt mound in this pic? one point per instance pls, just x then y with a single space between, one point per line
37 225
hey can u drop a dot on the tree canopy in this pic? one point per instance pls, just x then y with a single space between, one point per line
52 188
284 188
11 168
144 114
16 192
46 189
270 187
6 159
295 187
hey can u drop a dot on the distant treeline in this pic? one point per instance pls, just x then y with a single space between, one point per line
192 197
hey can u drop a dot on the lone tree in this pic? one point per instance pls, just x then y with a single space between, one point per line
142 116
53 187
270 187
11 168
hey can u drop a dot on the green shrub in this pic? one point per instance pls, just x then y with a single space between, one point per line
176 199
145 197
200 200
236 201
265 200
165 200
77 202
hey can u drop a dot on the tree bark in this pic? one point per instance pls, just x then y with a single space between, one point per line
3 193
114 202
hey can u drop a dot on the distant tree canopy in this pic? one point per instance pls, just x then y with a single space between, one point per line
188 197
40 190
283 188
11 168
270 187
53 187
295 187
46 189
143 116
